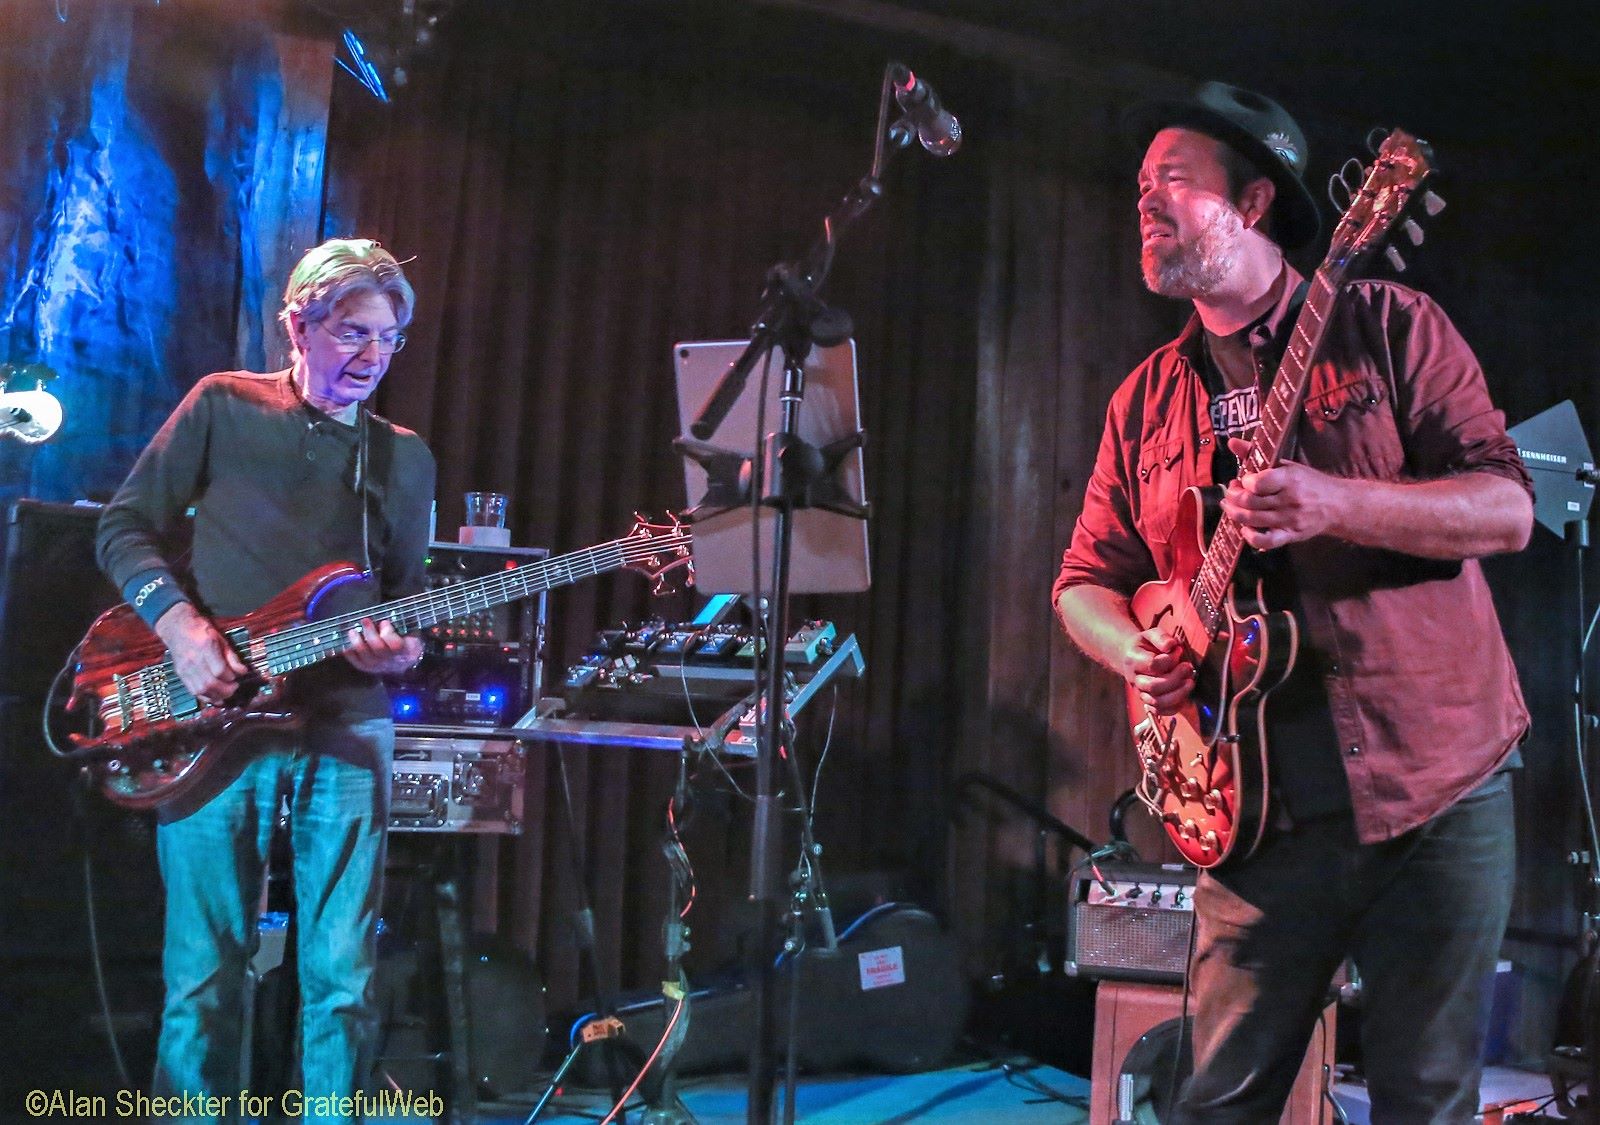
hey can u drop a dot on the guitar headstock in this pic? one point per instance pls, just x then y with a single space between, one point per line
657 549
1401 163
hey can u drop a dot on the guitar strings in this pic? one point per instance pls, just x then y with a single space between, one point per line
318 639
302 645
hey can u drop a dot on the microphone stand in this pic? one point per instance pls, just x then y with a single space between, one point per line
1578 536
792 475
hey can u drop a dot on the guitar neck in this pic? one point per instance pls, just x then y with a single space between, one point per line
304 645
1279 410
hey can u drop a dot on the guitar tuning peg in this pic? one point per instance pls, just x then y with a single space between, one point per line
1395 259
1413 231
1431 203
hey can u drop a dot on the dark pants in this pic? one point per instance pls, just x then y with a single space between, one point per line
1421 916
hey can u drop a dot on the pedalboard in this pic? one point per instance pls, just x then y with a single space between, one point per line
662 672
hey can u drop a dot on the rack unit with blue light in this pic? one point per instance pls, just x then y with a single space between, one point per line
483 669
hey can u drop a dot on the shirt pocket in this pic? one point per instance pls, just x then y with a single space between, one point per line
1360 393
1162 478
1350 430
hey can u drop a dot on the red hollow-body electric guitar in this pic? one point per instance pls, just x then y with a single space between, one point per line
1204 768
152 740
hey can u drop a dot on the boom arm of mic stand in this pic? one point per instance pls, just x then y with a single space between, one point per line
1041 815
788 286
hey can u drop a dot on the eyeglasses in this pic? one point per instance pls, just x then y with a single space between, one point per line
354 341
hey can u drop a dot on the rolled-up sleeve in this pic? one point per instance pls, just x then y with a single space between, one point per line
1107 549
1449 425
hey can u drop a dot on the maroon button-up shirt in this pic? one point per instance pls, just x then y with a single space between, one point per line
1423 693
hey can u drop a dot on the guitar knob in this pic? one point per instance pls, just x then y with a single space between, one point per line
1191 830
1211 842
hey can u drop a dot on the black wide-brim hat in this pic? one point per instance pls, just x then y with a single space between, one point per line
1253 125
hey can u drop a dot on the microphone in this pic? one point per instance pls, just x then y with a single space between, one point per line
937 128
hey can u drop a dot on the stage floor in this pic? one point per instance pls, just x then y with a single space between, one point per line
974 1094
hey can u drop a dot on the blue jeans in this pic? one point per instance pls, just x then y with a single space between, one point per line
335 778
1421 916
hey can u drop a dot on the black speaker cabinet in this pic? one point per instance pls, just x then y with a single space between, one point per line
50 592
1133 1025
891 997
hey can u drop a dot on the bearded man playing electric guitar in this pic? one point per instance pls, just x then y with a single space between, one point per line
1383 738
286 473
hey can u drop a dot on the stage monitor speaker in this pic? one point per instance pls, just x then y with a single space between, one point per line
1135 1033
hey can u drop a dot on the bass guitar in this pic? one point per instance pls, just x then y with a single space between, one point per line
1204 768
151 739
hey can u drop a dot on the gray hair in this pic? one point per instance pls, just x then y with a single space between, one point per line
341 267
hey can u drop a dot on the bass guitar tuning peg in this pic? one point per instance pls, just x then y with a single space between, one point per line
1395 259
1413 231
1431 203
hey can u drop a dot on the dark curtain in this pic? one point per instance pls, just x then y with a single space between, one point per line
578 194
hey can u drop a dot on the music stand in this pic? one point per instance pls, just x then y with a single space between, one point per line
829 552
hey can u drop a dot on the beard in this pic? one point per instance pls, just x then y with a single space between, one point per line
1197 266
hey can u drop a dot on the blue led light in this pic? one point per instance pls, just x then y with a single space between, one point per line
362 71
406 706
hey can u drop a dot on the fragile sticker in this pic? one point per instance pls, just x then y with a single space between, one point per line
881 968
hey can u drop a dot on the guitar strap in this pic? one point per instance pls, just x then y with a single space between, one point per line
1280 344
1216 383
374 463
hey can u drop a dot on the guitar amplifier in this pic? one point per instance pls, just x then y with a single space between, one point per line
444 784
1136 926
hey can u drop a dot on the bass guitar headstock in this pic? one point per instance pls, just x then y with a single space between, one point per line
658 550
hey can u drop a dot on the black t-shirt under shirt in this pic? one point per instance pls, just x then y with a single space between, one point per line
1306 773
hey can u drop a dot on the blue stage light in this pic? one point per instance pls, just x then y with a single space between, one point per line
360 67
